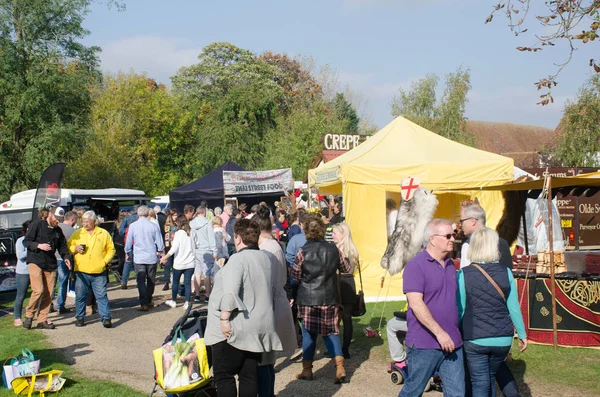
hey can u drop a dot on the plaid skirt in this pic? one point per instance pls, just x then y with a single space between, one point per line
320 320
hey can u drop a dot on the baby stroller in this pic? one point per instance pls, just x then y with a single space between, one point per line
399 371
190 323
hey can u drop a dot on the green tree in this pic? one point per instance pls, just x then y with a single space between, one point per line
140 138
298 138
344 111
578 144
45 73
445 117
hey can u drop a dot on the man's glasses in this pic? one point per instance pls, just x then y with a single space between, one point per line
448 236
466 219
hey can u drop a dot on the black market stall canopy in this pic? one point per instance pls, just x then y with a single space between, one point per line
231 180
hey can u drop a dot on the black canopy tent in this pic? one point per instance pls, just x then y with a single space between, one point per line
210 188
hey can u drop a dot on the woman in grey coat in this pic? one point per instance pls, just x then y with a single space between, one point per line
241 321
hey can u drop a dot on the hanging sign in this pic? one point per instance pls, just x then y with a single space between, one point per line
409 186
257 182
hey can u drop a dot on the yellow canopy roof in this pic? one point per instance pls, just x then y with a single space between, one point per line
402 149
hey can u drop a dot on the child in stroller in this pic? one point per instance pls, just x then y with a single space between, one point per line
190 323
398 368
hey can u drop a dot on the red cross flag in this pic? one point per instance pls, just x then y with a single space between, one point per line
409 186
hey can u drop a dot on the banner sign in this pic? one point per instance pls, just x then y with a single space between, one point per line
257 182
48 191
327 176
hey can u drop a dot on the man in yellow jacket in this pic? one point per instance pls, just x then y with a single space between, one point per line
93 249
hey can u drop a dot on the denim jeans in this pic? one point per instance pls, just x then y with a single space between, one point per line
483 363
423 363
187 282
309 343
22 286
228 362
266 380
506 381
146 280
168 268
62 280
126 271
97 282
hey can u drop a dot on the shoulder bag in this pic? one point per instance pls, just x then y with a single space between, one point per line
490 279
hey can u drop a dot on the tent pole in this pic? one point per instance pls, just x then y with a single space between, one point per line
552 279
524 220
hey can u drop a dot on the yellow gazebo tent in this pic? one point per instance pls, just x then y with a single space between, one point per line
372 172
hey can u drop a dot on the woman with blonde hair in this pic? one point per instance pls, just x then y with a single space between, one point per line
343 240
488 309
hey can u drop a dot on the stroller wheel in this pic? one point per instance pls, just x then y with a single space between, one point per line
396 377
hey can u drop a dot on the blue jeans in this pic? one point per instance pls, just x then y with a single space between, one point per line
483 363
309 343
187 282
423 363
126 270
266 380
22 281
62 280
168 268
98 284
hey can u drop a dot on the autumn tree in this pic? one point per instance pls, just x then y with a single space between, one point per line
445 117
573 22
578 143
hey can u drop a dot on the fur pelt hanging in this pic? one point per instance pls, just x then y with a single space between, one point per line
407 239
514 206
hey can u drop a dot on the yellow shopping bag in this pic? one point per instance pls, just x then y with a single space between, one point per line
49 381
181 366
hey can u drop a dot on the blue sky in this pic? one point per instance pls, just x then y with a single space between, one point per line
375 46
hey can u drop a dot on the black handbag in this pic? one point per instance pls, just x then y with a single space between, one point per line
359 308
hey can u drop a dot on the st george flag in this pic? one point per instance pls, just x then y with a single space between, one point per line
48 191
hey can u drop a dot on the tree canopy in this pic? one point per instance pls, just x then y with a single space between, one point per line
446 116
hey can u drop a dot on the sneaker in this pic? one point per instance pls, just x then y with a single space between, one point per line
186 305
18 322
171 303
71 294
197 299
107 323
80 322
27 323
206 300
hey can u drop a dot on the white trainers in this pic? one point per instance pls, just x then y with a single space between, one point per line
185 306
171 303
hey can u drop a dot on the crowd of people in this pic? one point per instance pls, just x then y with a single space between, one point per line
274 281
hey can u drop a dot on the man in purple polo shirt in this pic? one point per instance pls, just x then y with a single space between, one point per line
433 339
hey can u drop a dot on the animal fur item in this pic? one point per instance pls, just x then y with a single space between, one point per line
407 239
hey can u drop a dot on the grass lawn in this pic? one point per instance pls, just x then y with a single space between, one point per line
16 338
572 370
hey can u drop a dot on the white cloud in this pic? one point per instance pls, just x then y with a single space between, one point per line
159 57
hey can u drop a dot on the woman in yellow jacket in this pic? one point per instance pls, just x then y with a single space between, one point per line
93 249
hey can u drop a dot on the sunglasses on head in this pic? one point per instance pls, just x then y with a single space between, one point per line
448 236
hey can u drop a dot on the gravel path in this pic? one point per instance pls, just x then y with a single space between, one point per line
123 354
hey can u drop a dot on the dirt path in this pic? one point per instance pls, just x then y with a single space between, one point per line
123 354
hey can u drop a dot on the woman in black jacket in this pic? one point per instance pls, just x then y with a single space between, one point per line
42 240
